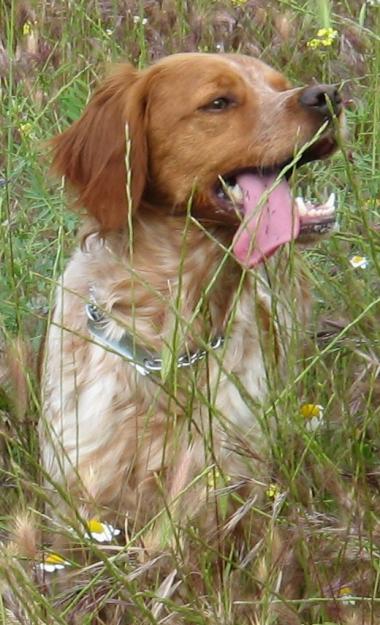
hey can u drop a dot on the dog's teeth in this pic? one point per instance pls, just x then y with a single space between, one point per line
328 208
326 211
330 204
236 193
301 206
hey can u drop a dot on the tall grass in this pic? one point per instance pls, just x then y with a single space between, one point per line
318 526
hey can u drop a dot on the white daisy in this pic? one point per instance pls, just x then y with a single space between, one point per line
53 562
359 262
313 415
345 593
101 532
138 20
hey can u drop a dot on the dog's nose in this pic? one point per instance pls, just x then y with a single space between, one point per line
323 99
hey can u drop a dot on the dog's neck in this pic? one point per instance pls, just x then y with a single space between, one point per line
167 271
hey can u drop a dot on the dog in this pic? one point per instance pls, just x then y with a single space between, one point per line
178 311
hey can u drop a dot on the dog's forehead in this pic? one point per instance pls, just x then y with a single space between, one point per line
255 71
200 68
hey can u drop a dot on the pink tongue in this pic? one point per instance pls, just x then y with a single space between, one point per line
269 223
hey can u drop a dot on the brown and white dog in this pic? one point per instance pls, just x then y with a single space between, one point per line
180 303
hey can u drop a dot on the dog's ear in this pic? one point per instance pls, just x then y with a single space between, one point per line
107 142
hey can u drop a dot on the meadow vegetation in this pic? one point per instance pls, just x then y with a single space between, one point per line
315 542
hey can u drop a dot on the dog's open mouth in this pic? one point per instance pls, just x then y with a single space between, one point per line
269 216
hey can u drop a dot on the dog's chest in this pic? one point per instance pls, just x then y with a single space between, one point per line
254 354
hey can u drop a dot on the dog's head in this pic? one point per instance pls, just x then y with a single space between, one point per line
214 129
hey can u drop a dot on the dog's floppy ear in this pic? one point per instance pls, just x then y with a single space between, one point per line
91 154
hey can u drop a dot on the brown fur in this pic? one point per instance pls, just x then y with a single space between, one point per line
148 446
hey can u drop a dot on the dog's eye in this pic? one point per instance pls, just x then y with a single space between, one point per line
219 104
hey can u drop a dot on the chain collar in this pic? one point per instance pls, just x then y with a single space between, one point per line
138 356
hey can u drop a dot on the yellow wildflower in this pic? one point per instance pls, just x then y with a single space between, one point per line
324 39
238 3
25 129
272 491
27 28
327 33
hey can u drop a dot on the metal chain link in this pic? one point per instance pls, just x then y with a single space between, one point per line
186 360
134 353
